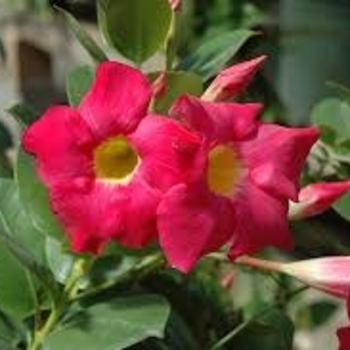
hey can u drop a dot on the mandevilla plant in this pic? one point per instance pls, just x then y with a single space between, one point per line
124 201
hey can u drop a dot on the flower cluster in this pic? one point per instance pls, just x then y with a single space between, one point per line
208 176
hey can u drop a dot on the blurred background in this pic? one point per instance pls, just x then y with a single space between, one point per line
308 44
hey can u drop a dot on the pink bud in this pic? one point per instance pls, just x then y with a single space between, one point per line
159 86
330 274
228 280
232 81
316 198
175 4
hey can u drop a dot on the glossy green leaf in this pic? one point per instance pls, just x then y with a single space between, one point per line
24 113
272 331
87 42
112 326
60 262
5 138
136 28
213 55
5 167
11 333
176 84
16 297
335 114
78 83
34 196
14 221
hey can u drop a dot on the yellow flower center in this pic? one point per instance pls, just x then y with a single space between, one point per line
115 160
224 170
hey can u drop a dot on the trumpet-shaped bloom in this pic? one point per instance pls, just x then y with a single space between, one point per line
250 174
316 198
107 163
232 81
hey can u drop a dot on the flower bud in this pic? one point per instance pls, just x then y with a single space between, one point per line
317 198
232 81
175 4
330 274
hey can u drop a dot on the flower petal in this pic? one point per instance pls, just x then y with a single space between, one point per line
192 223
117 100
344 338
62 144
96 213
169 152
261 221
219 122
277 157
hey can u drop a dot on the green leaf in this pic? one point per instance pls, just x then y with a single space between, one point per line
11 333
24 113
6 141
78 83
34 196
176 84
335 114
60 262
136 28
113 326
213 55
16 296
88 43
20 237
5 167
272 331
15 222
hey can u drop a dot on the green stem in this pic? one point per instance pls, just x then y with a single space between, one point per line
238 329
59 305
170 45
147 265
42 333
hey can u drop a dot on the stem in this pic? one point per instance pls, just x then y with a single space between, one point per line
238 329
170 45
41 334
59 305
148 264
229 336
261 264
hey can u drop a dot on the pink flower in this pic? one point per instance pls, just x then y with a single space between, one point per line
232 81
251 171
175 4
316 198
344 333
107 163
